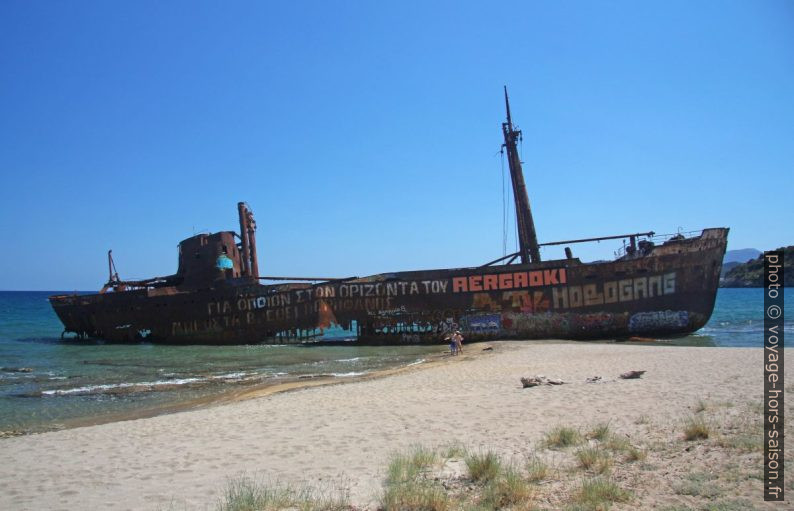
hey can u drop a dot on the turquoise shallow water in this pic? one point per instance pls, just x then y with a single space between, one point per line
738 321
72 380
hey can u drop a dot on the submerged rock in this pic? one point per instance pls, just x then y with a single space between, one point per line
17 369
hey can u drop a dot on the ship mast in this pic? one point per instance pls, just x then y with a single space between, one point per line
527 238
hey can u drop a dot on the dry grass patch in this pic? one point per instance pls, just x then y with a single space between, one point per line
699 484
617 443
745 442
407 487
508 490
635 454
599 431
730 505
248 494
537 469
561 437
415 496
594 458
415 482
696 428
453 450
483 466
598 494
408 466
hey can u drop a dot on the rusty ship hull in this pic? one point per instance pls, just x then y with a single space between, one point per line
654 288
669 291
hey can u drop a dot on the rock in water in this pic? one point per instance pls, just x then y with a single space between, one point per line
17 369
632 375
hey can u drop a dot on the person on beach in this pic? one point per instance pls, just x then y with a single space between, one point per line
457 338
453 346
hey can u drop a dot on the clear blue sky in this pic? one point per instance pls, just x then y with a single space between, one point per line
365 135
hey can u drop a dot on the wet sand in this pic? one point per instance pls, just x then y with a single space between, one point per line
323 432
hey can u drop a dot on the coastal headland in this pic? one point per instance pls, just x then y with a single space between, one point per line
342 436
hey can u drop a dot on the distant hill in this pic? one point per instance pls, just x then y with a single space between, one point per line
751 273
741 255
726 267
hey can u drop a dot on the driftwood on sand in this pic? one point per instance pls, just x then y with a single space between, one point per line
630 375
534 381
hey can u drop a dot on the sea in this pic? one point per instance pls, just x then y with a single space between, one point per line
47 383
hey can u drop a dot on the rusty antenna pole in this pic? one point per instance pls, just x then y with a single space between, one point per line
113 273
249 264
245 261
252 243
527 237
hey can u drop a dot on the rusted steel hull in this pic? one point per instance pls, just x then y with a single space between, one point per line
668 291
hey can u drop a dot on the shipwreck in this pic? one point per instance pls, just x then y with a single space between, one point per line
656 286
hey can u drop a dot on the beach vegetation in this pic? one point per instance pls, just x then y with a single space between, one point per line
729 505
483 466
698 484
537 469
617 443
635 454
453 450
598 494
407 485
599 432
408 466
561 437
416 495
746 442
594 458
756 406
508 490
173 506
759 475
246 493
696 428
642 419
701 406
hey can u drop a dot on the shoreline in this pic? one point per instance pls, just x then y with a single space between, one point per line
343 432
254 391
231 395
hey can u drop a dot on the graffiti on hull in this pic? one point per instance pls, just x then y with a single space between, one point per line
483 303
658 320
485 324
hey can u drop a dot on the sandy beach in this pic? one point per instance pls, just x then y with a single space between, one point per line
343 434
